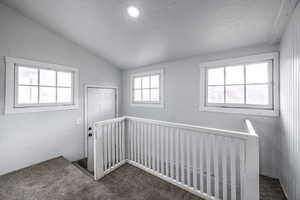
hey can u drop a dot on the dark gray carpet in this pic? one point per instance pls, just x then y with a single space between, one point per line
58 179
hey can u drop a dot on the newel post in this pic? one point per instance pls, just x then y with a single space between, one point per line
251 183
98 152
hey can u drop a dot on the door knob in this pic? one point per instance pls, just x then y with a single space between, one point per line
90 134
90 128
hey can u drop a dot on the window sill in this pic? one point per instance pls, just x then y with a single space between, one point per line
147 105
14 110
244 111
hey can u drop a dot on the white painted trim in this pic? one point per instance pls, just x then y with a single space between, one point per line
161 89
86 86
194 128
240 110
10 87
115 167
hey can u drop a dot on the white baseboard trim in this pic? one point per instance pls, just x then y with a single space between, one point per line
115 167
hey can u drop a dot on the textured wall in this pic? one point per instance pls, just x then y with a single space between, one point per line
290 107
29 138
181 97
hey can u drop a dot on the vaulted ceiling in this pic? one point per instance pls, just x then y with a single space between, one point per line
166 29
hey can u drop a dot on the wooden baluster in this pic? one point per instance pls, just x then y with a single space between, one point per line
123 140
131 139
153 145
104 147
242 168
120 141
182 157
146 145
224 167
157 141
208 157
109 146
137 138
135 151
117 142
188 160
201 159
167 150
194 144
233 169
139 142
171 137
177 146
112 144
143 144
149 138
216 166
162 167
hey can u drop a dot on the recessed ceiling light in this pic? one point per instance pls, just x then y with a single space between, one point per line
133 11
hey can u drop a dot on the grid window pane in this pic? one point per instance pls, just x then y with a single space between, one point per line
64 95
27 76
155 95
155 81
235 74
215 76
27 94
137 83
137 95
146 88
235 94
146 82
47 95
215 94
64 79
146 95
47 77
257 73
257 94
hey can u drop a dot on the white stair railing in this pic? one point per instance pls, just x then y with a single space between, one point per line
109 146
210 163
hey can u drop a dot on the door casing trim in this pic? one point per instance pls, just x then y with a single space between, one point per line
86 86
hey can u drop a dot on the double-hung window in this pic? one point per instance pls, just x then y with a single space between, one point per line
35 86
146 88
245 85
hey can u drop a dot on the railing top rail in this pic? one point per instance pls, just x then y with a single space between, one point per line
109 121
250 128
236 134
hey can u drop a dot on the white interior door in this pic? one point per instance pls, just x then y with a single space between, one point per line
101 105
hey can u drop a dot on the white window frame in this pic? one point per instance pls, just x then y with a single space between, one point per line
272 110
160 104
11 105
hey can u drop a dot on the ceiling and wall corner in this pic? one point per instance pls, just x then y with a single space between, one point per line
284 13
165 30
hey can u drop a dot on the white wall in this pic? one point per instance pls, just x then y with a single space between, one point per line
182 103
26 139
290 107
